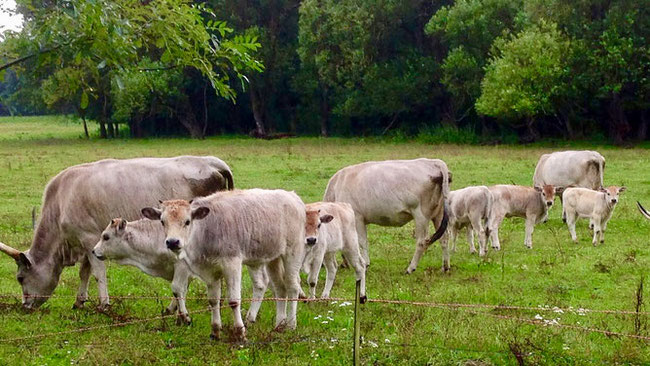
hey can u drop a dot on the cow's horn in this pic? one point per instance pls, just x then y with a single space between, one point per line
13 253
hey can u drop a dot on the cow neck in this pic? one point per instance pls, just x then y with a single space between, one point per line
47 243
145 236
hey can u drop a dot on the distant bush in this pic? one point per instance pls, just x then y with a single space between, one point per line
448 134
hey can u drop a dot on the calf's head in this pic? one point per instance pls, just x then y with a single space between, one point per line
611 194
176 217
112 243
547 193
312 225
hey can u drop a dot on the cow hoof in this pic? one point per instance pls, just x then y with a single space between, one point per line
79 304
409 271
363 299
445 269
472 252
214 337
280 328
183 319
102 308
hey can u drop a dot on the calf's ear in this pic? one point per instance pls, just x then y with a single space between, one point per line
538 189
200 213
151 213
622 189
122 225
602 189
559 189
326 218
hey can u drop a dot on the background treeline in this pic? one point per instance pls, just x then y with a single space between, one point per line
522 69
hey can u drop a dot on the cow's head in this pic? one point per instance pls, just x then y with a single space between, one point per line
176 217
314 221
37 280
112 243
611 194
547 194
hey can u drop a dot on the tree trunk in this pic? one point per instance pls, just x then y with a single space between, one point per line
102 129
188 119
324 112
531 132
117 130
642 132
258 111
619 126
83 118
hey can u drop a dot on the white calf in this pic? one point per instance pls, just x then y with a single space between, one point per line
597 206
470 207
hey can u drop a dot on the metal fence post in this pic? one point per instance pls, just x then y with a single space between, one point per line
357 323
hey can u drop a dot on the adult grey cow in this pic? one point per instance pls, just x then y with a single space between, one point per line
218 234
392 193
570 169
80 200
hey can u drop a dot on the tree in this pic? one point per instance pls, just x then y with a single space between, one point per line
102 37
526 75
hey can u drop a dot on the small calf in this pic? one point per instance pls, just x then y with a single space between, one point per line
519 201
330 228
470 206
137 243
598 206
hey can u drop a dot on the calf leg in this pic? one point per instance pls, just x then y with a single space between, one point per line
314 271
84 277
214 298
530 227
470 239
422 244
330 267
292 262
477 225
180 283
571 224
98 269
232 273
275 272
495 223
351 250
597 231
260 282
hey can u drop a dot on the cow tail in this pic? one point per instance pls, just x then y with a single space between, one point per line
602 171
440 231
488 213
227 174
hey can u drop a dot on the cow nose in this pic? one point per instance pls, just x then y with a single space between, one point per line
173 244
614 200
311 240
549 203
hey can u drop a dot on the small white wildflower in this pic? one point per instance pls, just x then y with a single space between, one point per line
330 311
558 310
318 317
344 329
334 340
565 347
539 317
330 318
373 344
334 302
387 340
345 303
324 322
331 347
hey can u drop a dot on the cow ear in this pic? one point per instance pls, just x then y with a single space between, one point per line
538 189
190 201
151 213
200 213
326 218
622 189
559 189
23 260
112 222
122 225
602 189
160 201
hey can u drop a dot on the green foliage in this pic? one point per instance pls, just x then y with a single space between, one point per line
525 74
448 135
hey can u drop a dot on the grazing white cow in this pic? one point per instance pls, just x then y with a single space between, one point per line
330 228
643 211
217 234
570 168
529 203
471 207
597 206
392 193
80 200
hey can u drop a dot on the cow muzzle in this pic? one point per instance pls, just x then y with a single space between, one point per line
614 200
549 203
173 244
311 241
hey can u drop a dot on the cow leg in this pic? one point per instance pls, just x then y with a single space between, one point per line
214 299
84 277
232 274
363 240
98 269
314 271
470 239
260 282
180 283
597 231
571 224
530 227
421 231
279 292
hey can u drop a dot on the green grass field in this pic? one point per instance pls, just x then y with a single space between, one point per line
555 272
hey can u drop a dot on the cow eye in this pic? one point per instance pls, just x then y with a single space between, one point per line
162 222
319 225
20 279
187 223
105 237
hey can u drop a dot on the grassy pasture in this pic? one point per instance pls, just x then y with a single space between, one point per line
555 272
